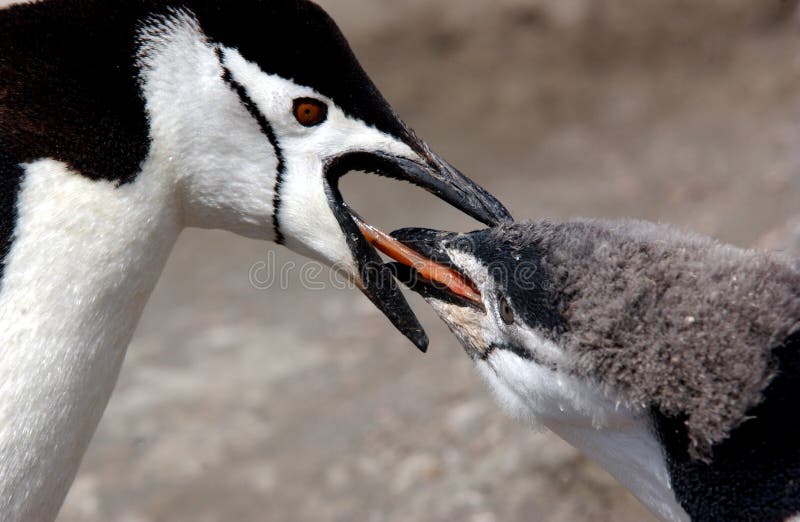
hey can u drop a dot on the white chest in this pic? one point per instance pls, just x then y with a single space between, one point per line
615 436
84 260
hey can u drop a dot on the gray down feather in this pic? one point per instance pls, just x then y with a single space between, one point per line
665 318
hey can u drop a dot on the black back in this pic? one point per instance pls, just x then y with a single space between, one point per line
755 473
69 86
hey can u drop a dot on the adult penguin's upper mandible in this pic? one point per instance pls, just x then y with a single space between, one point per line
252 109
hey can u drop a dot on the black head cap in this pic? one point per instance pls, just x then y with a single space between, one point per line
313 52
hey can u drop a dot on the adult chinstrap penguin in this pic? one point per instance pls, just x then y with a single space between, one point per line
669 358
252 109
123 122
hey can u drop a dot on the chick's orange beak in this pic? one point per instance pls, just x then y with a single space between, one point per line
426 268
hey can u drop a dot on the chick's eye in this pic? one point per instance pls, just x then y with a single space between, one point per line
506 312
309 111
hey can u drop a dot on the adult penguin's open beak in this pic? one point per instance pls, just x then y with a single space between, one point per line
434 175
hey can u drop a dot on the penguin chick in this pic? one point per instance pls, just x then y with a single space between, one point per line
669 358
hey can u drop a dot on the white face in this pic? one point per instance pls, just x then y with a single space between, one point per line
226 166
260 155
304 212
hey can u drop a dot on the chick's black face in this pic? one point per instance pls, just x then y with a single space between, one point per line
516 296
496 260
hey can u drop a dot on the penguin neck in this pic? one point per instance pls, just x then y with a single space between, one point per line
627 449
619 438
85 258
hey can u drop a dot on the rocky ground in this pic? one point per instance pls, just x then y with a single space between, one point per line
245 404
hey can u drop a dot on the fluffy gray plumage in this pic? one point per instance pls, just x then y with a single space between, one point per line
666 318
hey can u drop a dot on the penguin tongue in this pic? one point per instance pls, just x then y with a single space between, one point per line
427 268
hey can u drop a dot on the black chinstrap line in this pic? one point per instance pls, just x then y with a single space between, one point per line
520 352
269 132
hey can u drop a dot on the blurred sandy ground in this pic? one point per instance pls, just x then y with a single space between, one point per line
238 404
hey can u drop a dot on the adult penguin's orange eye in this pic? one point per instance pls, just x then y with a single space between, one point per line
309 111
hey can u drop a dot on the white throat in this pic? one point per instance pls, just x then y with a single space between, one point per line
224 166
85 258
615 436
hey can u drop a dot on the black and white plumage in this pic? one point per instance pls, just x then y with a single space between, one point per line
671 359
123 122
